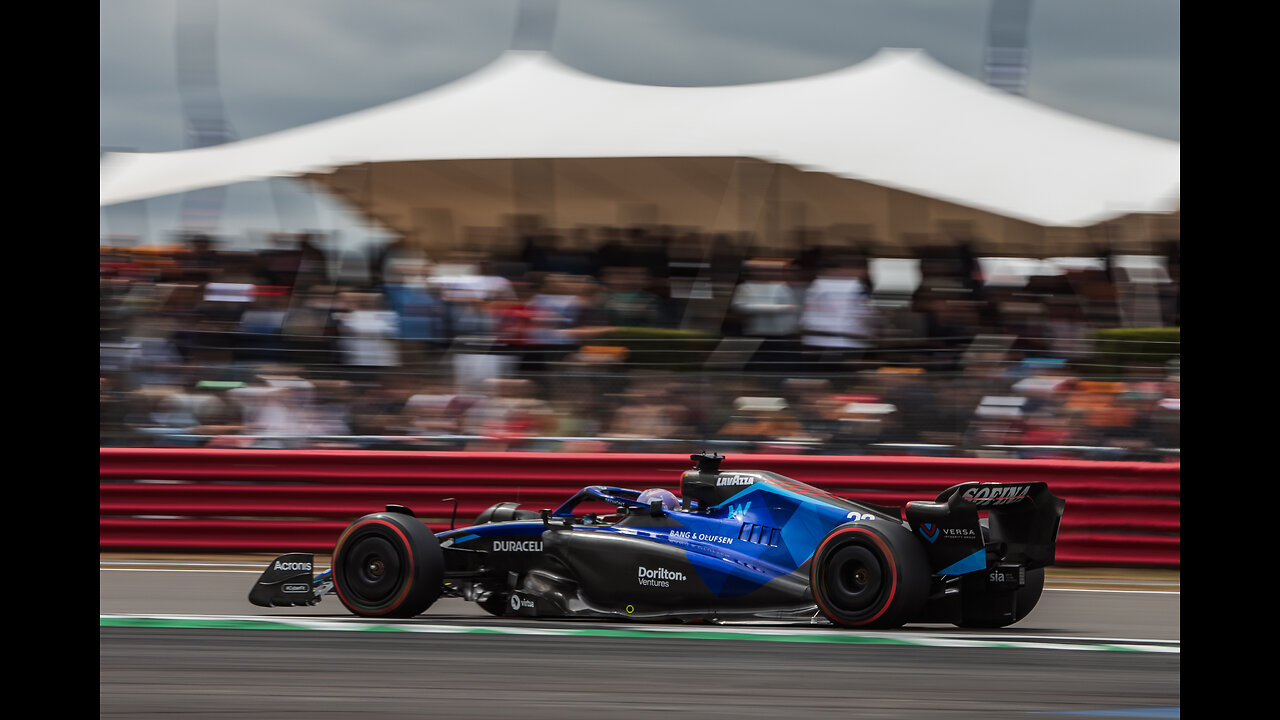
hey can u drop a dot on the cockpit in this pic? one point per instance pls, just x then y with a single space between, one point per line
697 486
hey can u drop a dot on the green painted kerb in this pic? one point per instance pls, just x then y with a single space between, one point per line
842 638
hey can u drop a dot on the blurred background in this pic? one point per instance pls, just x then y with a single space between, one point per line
695 305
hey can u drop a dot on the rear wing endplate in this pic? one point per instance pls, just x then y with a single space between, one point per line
1023 516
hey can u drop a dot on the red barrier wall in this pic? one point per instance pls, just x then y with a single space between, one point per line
177 500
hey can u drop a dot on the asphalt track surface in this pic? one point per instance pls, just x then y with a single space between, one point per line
181 640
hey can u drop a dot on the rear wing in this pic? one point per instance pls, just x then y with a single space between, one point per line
1023 521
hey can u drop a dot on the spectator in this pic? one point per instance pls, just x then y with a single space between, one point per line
225 302
161 320
280 263
1068 334
436 410
1166 420
1095 402
769 308
1045 382
952 415
421 315
1045 435
726 258
509 415
479 304
377 410
764 421
327 416
311 326
367 331
596 374
274 411
814 406
863 421
153 354
908 391
261 328
647 412
837 323
572 255
611 252
201 264
218 416
470 277
998 420
113 428
553 313
313 264
513 324
626 302
1128 425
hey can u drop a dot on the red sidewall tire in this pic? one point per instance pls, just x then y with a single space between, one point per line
387 565
869 577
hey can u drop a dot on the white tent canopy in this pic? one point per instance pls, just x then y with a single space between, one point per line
898 121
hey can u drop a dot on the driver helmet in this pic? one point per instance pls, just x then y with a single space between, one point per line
668 498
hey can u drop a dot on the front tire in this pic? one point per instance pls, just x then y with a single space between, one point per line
388 565
869 576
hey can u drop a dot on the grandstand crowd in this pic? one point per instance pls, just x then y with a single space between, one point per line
623 339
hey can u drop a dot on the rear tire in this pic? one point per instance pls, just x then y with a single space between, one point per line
388 565
869 576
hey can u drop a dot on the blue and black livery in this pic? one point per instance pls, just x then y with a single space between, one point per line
741 545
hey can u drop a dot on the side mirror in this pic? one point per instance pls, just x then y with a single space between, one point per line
655 508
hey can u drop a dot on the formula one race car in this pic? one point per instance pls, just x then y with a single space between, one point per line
741 545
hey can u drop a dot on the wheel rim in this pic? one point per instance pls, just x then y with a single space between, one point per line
855 579
372 572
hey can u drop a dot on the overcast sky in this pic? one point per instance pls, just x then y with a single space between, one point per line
285 63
